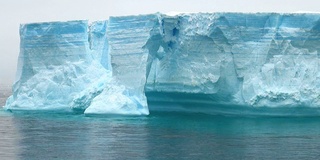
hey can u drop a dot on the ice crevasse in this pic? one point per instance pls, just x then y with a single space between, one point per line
217 60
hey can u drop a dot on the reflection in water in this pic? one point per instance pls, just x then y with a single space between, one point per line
118 138
79 137
158 136
9 137
190 136
51 137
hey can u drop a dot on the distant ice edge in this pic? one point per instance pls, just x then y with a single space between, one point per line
255 60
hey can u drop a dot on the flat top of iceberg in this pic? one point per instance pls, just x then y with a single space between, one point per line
173 13
34 24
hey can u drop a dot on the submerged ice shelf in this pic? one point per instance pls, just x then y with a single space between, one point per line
262 60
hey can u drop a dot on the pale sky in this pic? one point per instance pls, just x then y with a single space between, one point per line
15 12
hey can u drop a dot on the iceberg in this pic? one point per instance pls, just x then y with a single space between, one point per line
118 66
65 67
254 60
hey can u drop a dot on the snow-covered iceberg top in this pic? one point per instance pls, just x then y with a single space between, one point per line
242 59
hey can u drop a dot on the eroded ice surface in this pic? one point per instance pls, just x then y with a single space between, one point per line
61 68
238 59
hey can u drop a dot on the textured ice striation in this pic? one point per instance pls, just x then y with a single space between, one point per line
64 66
218 59
258 60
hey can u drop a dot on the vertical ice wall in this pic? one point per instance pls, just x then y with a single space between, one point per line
194 63
107 95
127 37
263 59
65 66
54 65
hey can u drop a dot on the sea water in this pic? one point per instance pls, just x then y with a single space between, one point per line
161 135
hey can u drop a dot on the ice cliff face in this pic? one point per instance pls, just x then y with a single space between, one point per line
263 59
240 59
63 66
53 65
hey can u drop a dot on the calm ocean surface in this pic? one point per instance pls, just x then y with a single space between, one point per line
161 135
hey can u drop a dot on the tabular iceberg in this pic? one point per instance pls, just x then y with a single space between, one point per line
239 59
61 68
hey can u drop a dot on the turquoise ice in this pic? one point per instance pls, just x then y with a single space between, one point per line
221 59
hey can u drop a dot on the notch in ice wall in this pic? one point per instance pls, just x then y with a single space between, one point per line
98 42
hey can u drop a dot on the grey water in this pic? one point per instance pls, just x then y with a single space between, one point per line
161 135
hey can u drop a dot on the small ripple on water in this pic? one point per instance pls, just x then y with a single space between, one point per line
158 136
